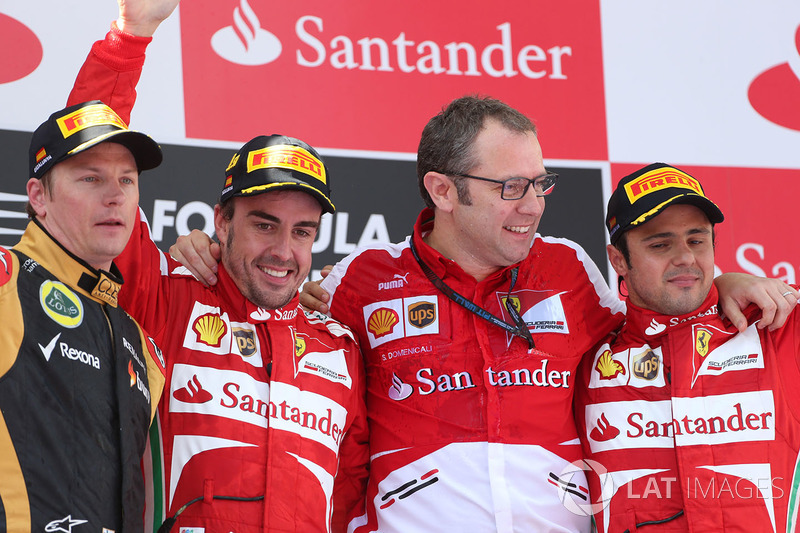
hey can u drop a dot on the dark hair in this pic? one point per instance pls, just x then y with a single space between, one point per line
447 139
47 183
226 208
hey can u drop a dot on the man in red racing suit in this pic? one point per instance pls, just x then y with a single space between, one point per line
262 427
689 424
470 430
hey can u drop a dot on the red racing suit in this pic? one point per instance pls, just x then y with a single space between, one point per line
691 425
265 406
469 429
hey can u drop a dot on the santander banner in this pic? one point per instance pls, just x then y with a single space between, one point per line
368 77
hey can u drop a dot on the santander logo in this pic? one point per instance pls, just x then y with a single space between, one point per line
27 50
193 392
246 43
775 93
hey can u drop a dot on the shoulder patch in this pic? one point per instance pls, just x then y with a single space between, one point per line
6 266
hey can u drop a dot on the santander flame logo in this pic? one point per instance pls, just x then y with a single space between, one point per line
399 390
775 93
27 50
193 392
246 43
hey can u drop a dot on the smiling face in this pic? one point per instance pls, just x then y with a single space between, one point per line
93 205
266 245
671 266
491 233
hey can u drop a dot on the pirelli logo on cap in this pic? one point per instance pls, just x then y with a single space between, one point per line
86 117
658 179
289 157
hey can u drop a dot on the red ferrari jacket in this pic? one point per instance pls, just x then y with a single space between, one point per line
262 426
469 429
692 426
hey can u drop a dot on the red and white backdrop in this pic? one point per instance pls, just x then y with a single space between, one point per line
712 87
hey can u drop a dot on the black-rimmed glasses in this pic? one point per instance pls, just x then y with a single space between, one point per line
515 188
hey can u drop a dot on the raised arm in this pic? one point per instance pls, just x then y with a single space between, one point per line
113 67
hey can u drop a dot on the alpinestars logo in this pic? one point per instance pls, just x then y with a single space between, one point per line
246 43
64 524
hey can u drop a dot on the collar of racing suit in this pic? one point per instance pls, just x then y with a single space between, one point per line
99 285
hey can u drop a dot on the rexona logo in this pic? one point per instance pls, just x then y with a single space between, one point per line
245 42
61 304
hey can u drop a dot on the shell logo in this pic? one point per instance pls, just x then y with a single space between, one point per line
382 321
608 367
210 329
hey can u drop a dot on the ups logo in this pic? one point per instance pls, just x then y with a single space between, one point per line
245 341
646 365
421 314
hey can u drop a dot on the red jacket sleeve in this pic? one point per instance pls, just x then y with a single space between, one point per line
111 72
350 485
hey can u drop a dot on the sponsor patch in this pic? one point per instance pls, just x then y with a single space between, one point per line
209 331
86 117
646 365
701 338
742 351
402 317
542 311
607 367
708 420
106 290
421 314
312 356
240 397
289 157
61 304
658 179
382 321
245 340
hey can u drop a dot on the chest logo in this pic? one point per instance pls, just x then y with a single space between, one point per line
646 365
382 322
245 341
210 329
61 304
608 367
421 314
299 346
701 338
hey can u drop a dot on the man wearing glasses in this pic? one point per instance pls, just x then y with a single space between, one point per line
471 421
